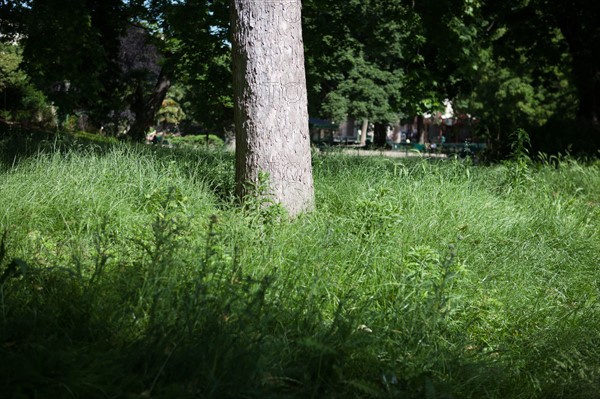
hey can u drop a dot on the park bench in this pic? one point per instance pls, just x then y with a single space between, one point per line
462 148
408 147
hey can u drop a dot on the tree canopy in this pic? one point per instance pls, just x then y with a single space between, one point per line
530 64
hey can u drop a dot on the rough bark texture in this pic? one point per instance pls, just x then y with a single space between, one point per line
271 115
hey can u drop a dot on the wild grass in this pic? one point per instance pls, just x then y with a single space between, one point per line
131 272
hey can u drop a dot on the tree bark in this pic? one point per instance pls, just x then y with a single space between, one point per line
349 133
380 135
271 114
363 132
145 109
422 132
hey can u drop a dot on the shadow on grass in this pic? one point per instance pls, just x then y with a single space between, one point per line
162 327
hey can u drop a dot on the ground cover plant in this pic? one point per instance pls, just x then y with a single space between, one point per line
130 271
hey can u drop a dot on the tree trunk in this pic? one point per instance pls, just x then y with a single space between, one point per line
422 132
145 109
350 129
578 25
271 115
380 133
363 132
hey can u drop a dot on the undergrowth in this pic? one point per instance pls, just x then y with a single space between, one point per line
131 272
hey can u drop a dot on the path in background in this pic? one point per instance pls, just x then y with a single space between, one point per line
389 153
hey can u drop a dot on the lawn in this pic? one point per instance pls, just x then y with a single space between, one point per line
132 272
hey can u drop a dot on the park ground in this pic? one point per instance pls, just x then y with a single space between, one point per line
131 271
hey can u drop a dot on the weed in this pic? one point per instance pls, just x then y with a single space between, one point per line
518 169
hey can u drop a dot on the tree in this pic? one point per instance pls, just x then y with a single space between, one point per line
357 68
12 18
203 67
115 60
535 23
526 74
170 113
511 64
271 116
579 25
149 77
192 39
20 101
96 57
70 52
382 59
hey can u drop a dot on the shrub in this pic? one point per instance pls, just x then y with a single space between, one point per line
198 141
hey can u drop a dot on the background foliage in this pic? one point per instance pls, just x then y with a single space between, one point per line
512 65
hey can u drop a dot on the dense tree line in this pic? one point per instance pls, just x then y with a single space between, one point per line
115 62
530 64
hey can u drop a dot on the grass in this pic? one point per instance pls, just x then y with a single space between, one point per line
131 272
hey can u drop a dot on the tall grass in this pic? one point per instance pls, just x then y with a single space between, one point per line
131 272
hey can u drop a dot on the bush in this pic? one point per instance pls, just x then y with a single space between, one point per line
22 102
197 141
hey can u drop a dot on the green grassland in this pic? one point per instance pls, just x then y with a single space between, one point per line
132 272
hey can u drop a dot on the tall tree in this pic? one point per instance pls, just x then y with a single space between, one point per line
103 58
203 54
579 24
357 54
12 18
20 101
271 116
71 49
382 59
148 73
526 75
534 24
